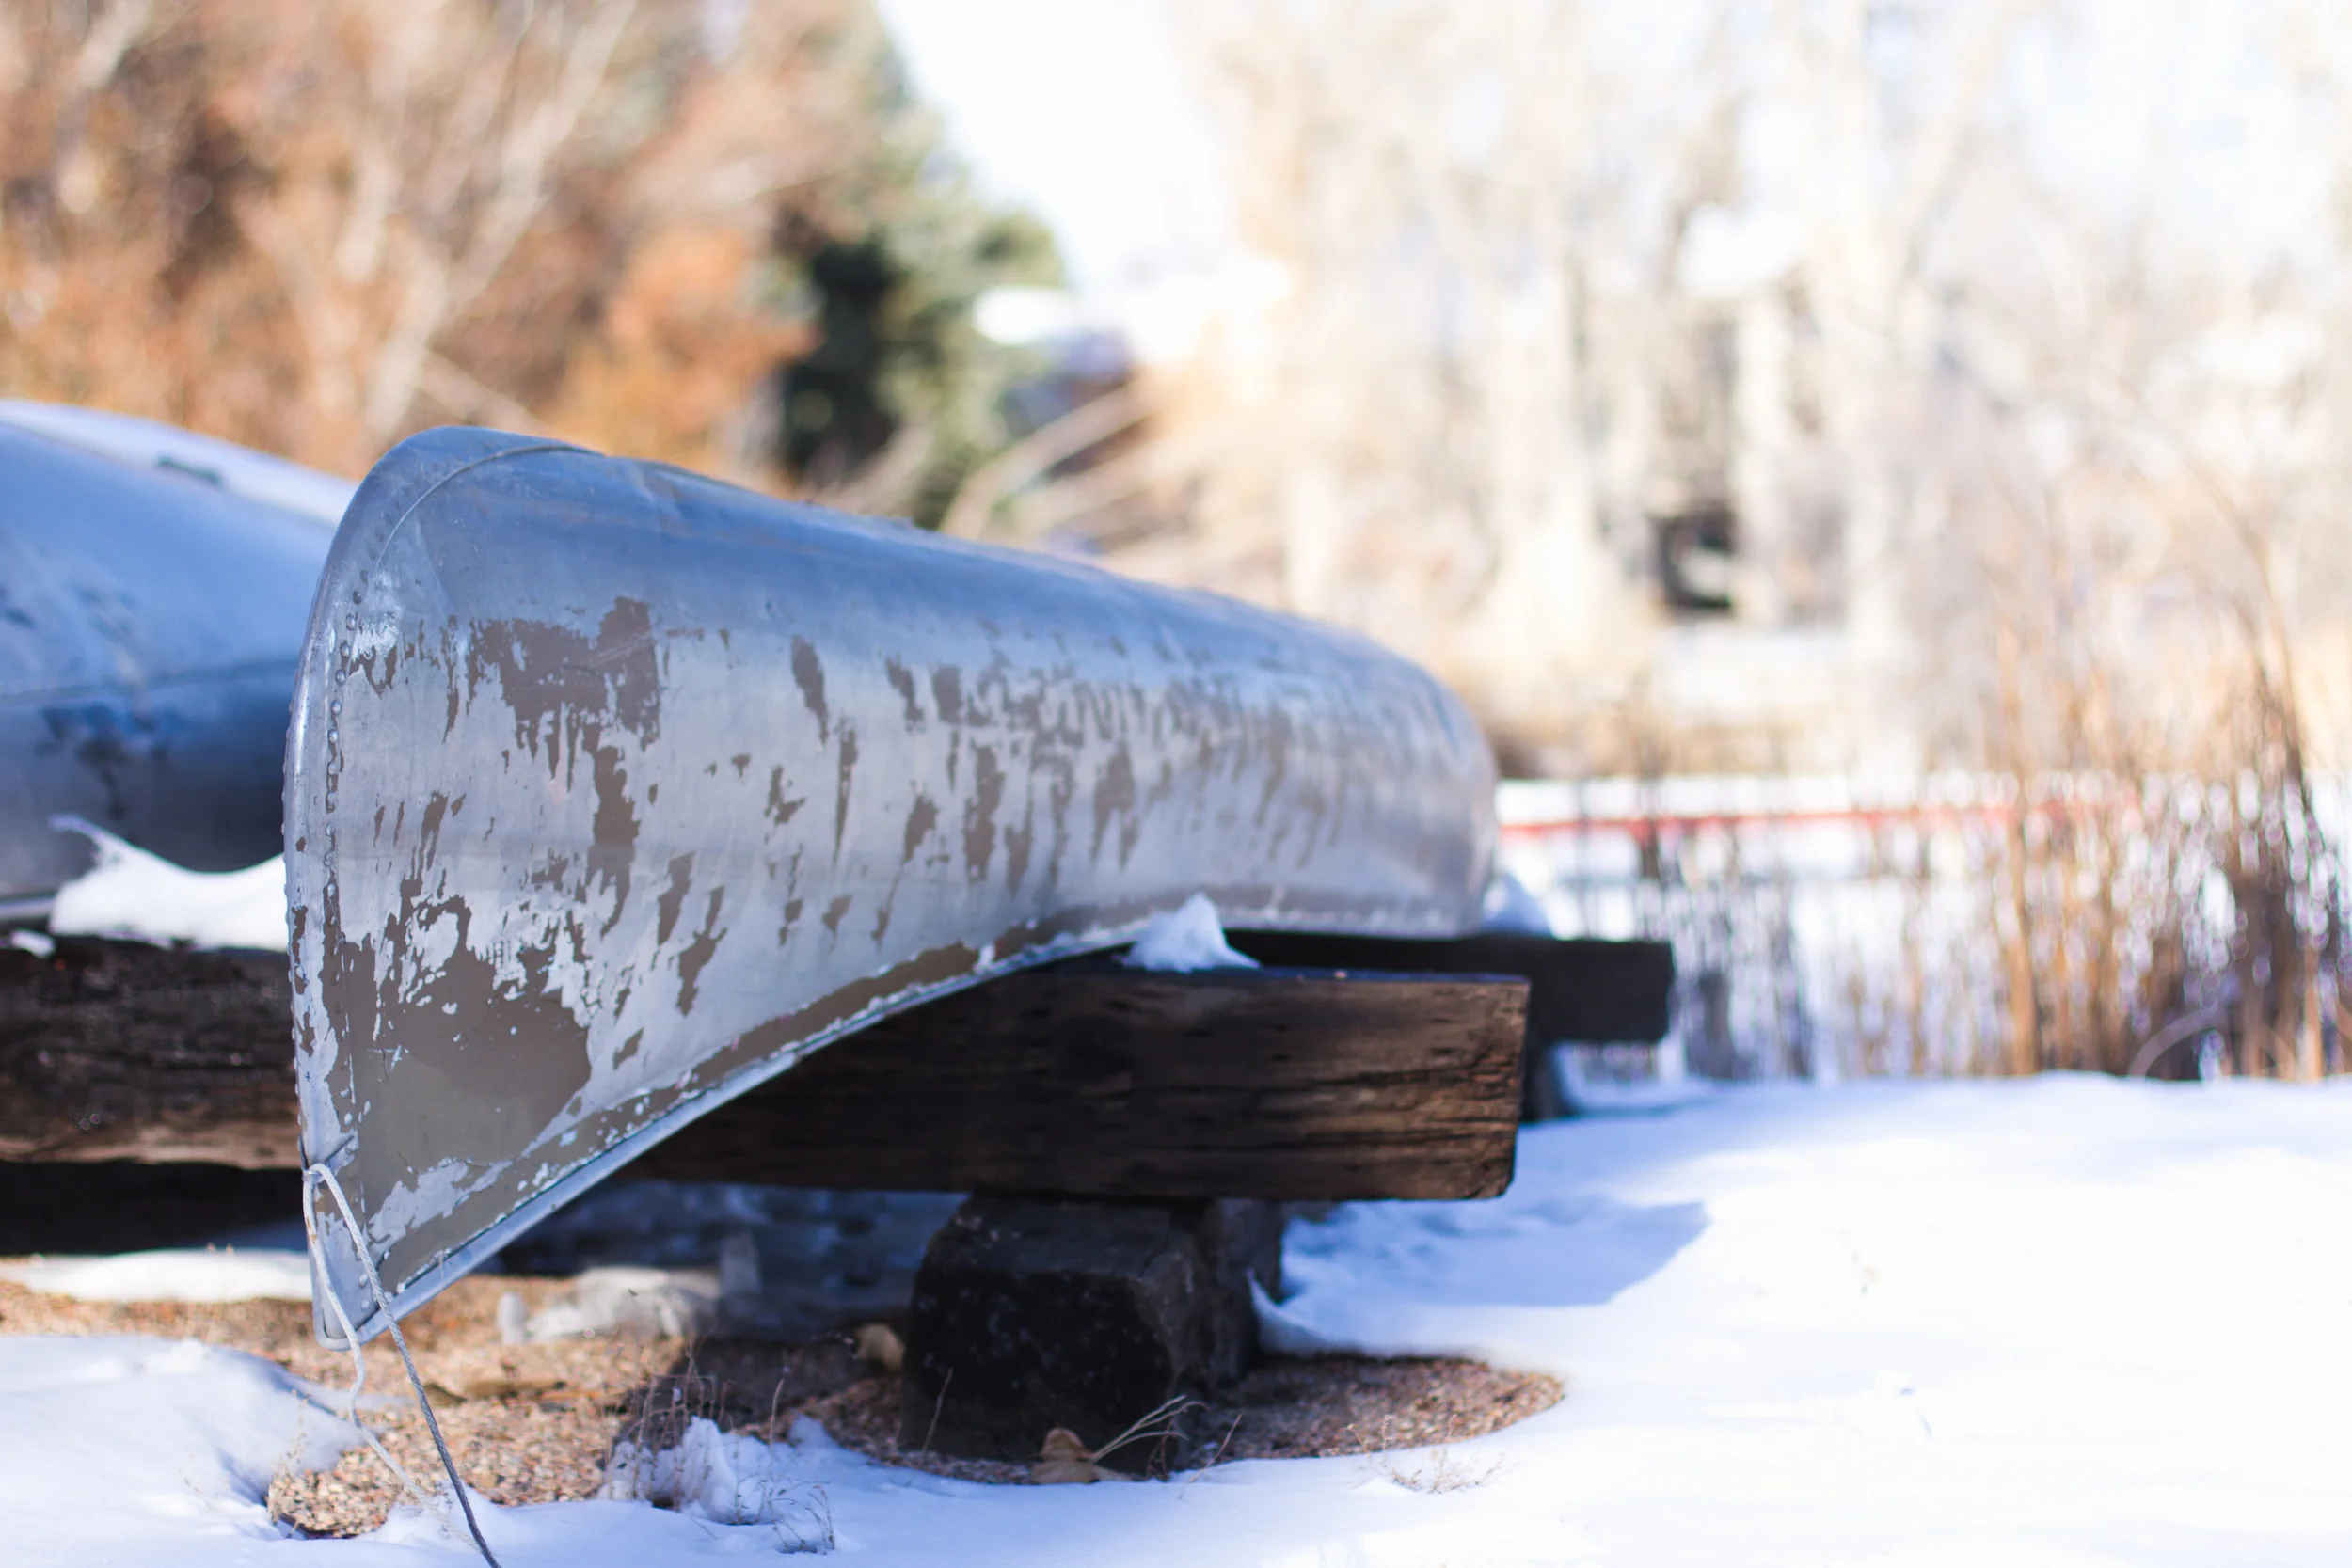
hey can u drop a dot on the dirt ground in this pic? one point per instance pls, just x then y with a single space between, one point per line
538 1423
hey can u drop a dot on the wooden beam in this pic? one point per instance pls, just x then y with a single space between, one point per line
1091 1080
119 1051
1581 988
1584 989
1086 1079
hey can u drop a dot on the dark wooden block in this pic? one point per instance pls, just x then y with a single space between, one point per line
1031 1314
1091 1080
1580 987
124 1206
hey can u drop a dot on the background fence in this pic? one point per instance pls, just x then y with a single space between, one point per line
1957 924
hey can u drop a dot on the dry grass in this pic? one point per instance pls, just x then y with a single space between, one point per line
1441 1471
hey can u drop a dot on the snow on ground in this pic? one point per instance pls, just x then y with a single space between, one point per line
2064 1322
141 1450
179 1273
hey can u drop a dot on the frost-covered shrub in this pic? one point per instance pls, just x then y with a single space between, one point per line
728 1479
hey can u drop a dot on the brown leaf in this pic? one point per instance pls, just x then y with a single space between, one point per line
1064 1460
879 1344
1064 1472
1063 1444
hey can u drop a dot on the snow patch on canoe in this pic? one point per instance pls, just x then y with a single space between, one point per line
1186 939
138 897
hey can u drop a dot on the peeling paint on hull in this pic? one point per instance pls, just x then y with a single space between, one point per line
613 791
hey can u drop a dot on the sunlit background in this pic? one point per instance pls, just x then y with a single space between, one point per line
1875 467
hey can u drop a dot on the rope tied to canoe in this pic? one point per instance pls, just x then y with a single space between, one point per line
313 1177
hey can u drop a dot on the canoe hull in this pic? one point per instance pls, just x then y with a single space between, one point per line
613 791
149 626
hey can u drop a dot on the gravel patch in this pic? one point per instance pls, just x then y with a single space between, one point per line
1286 1408
535 1423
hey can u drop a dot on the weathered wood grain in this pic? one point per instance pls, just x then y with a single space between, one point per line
119 1051
1094 1081
1581 989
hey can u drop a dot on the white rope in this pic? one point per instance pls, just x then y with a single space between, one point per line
313 1177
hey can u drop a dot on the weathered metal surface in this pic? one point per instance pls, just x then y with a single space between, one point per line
150 624
613 790
254 476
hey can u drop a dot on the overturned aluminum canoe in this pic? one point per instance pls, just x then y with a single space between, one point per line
154 586
613 791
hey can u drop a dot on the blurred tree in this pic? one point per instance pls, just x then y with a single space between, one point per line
1820 316
317 227
901 391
